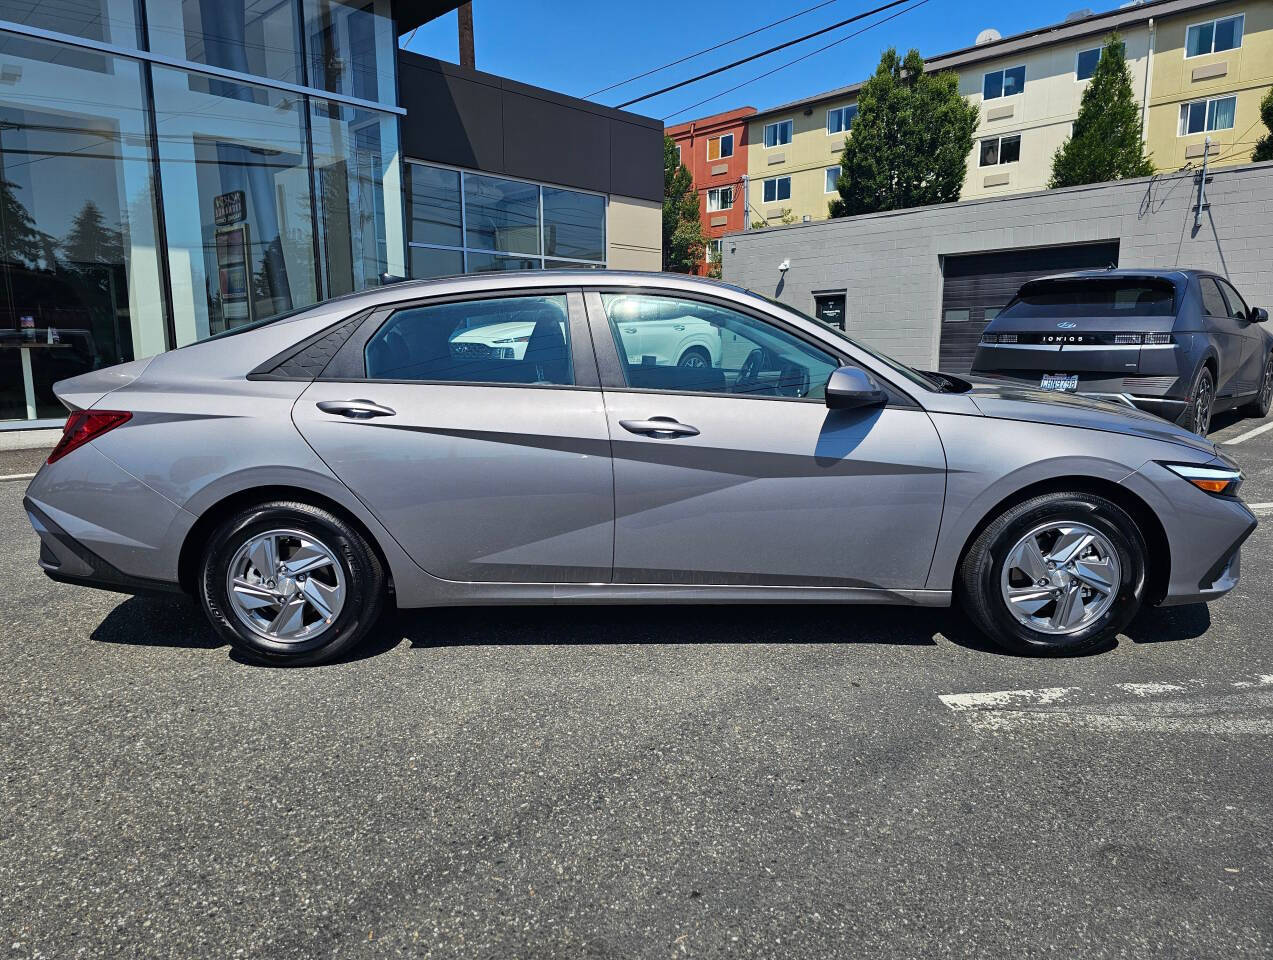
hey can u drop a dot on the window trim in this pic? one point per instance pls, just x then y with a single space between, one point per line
719 141
345 365
999 137
1004 70
825 170
777 123
1079 53
843 132
718 191
774 180
1213 21
1180 132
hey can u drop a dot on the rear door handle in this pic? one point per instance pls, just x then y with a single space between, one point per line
662 427
356 409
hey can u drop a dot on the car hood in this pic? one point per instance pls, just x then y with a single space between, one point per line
1009 401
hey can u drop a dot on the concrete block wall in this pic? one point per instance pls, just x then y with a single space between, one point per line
891 263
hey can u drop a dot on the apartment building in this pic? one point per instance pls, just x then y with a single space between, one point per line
714 150
1199 68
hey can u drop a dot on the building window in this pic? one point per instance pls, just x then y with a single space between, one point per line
777 134
108 21
463 222
262 39
678 153
1003 83
1214 36
714 250
777 188
840 119
1085 63
718 148
1203 116
79 279
832 175
1000 150
720 198
351 48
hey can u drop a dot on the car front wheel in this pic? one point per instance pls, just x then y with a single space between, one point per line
291 584
1058 574
1259 407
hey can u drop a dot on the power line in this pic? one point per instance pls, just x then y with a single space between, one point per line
806 56
763 53
723 43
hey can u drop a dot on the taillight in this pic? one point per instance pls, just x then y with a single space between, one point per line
83 425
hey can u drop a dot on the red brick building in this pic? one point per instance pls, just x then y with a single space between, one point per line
715 151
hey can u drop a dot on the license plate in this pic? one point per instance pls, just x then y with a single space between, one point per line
1060 381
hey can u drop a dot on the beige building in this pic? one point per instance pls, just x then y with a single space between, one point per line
1199 68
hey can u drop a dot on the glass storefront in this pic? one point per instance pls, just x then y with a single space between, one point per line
464 222
146 205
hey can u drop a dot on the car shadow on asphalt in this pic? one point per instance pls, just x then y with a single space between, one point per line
162 621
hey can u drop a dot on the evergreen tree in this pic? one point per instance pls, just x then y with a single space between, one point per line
90 240
683 240
1264 147
20 241
1106 143
910 140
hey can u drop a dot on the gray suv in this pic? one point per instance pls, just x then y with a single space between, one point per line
1183 344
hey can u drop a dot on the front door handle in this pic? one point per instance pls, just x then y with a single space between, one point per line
355 409
662 427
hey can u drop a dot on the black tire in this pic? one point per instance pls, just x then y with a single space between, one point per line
1200 404
1259 407
982 568
363 573
695 357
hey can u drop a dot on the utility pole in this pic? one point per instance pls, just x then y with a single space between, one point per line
465 14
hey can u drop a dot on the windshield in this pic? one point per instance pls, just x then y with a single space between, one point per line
910 373
1105 298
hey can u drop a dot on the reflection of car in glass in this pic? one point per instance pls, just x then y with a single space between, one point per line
498 341
347 458
665 337
1179 343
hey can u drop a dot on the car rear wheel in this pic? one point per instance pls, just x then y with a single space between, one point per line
1056 575
1197 415
1259 407
292 584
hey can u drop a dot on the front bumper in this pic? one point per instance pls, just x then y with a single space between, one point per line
1204 534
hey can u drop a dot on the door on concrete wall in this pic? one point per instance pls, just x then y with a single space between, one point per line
975 287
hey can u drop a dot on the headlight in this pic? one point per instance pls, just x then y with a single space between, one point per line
1221 481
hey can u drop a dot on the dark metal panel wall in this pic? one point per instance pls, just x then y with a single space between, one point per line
975 283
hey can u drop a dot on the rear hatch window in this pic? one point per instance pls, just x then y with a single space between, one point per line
1104 298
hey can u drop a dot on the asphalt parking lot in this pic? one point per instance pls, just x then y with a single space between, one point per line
635 782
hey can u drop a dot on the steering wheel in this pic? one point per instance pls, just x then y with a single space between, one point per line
749 372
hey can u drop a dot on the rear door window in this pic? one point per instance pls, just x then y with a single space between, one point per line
503 340
1212 299
1121 297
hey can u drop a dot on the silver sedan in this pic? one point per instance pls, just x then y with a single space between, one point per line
298 476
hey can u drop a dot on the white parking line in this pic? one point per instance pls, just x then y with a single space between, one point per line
1260 508
1249 434
16 476
1242 706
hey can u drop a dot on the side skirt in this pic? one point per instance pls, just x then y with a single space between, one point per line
494 594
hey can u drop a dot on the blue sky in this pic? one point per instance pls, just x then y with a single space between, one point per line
579 46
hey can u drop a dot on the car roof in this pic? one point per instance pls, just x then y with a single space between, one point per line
1174 275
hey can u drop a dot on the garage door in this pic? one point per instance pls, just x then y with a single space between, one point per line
977 286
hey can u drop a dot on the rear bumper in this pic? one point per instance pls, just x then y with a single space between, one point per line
66 560
1166 396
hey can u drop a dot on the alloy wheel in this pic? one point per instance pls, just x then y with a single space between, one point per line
1266 388
286 586
693 360
1060 577
1202 408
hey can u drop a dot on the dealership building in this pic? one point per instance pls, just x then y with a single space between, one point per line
170 170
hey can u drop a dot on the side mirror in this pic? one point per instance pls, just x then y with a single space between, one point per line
1259 315
851 388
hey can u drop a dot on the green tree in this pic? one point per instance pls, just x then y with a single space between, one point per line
683 239
910 141
1106 143
21 241
90 240
1264 146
